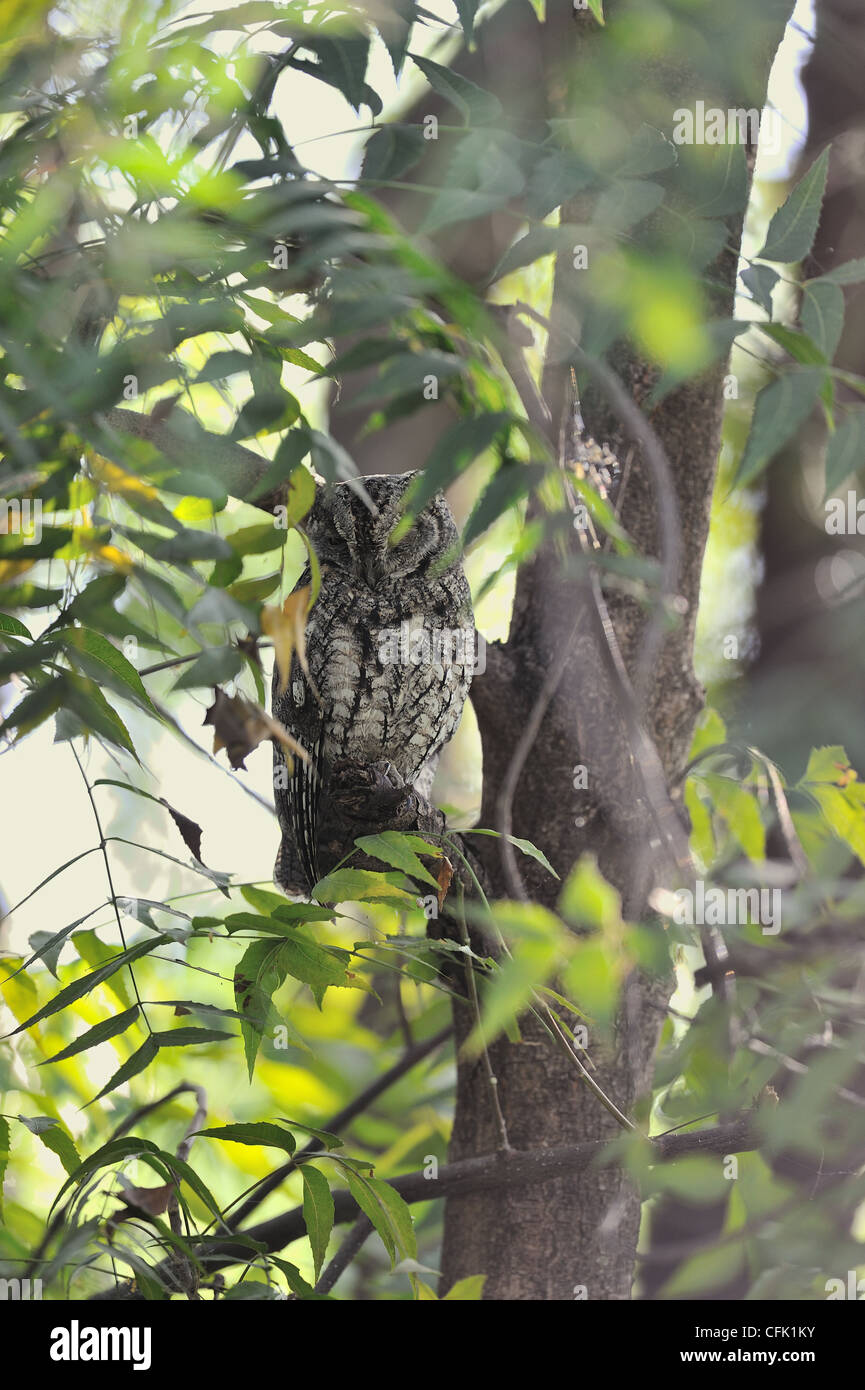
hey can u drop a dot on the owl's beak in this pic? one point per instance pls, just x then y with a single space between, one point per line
372 572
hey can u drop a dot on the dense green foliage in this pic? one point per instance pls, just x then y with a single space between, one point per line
165 250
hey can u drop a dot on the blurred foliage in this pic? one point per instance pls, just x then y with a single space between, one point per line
166 251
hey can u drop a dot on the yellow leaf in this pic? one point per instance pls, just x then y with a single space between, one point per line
117 480
114 557
287 628
10 569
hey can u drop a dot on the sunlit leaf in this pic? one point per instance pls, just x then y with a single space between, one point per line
317 1213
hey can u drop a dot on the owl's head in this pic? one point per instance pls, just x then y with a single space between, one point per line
354 533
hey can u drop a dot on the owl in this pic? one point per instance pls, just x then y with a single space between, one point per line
390 649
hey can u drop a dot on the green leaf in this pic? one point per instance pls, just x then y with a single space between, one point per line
793 228
394 21
221 365
342 63
100 1032
35 708
483 176
626 202
391 848
113 1151
187 1037
536 935
465 1290
399 1216
257 540
467 9
300 497
13 626
317 1213
845 450
539 242
452 454
293 913
261 1132
87 983
372 1206
266 412
60 1143
588 900
740 812
850 273
213 667
761 281
254 591
257 976
798 344
822 315
53 539
509 485
135 1064
330 459
702 832
262 899
391 151
189 545
5 1144
298 358
216 606
409 373
296 1282
189 483
87 711
525 846
250 921
555 178
314 965
361 885
107 663
781 409
474 104
324 1136
286 463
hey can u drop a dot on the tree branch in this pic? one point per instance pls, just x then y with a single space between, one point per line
184 442
489 1173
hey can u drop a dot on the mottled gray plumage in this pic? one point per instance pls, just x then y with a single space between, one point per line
372 708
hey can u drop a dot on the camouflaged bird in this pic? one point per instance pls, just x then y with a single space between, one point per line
390 651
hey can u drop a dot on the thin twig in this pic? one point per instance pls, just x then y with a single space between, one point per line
655 455
185 1271
344 1117
492 1079
347 1251
103 845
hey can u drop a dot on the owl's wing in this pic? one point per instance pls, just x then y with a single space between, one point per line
304 785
